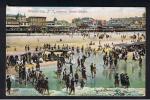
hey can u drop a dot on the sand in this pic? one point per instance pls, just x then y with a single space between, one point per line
19 42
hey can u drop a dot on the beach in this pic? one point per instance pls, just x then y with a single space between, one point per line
104 77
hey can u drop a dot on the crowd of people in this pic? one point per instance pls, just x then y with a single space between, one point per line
123 80
32 76
70 76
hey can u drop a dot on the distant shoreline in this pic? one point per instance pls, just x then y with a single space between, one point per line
51 34
103 30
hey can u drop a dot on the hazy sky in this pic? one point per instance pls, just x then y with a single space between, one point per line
68 13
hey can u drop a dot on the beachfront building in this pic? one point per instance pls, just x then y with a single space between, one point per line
23 23
21 18
103 23
87 24
10 16
37 21
37 24
16 23
131 23
143 22
12 25
58 26
118 23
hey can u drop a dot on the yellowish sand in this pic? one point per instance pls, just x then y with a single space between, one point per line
19 42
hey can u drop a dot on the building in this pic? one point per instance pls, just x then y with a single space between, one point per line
77 21
116 23
12 24
143 22
21 18
10 16
37 24
23 23
127 23
103 23
50 23
37 21
58 26
16 23
15 19
11 20
87 24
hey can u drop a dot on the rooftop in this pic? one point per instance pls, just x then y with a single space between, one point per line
11 15
36 17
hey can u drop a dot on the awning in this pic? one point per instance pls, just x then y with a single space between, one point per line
139 43
12 25
122 45
131 44
59 50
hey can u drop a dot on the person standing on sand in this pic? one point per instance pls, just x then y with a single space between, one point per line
46 85
84 73
37 66
24 74
82 49
71 69
8 82
127 82
116 80
28 48
110 61
140 62
67 82
64 75
82 83
78 61
72 88
28 75
122 79
92 68
125 57
115 62
104 59
25 47
76 77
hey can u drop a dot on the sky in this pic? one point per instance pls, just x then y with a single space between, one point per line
68 13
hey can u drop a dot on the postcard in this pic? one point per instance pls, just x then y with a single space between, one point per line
75 51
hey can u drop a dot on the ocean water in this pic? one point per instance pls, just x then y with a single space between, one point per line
104 76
